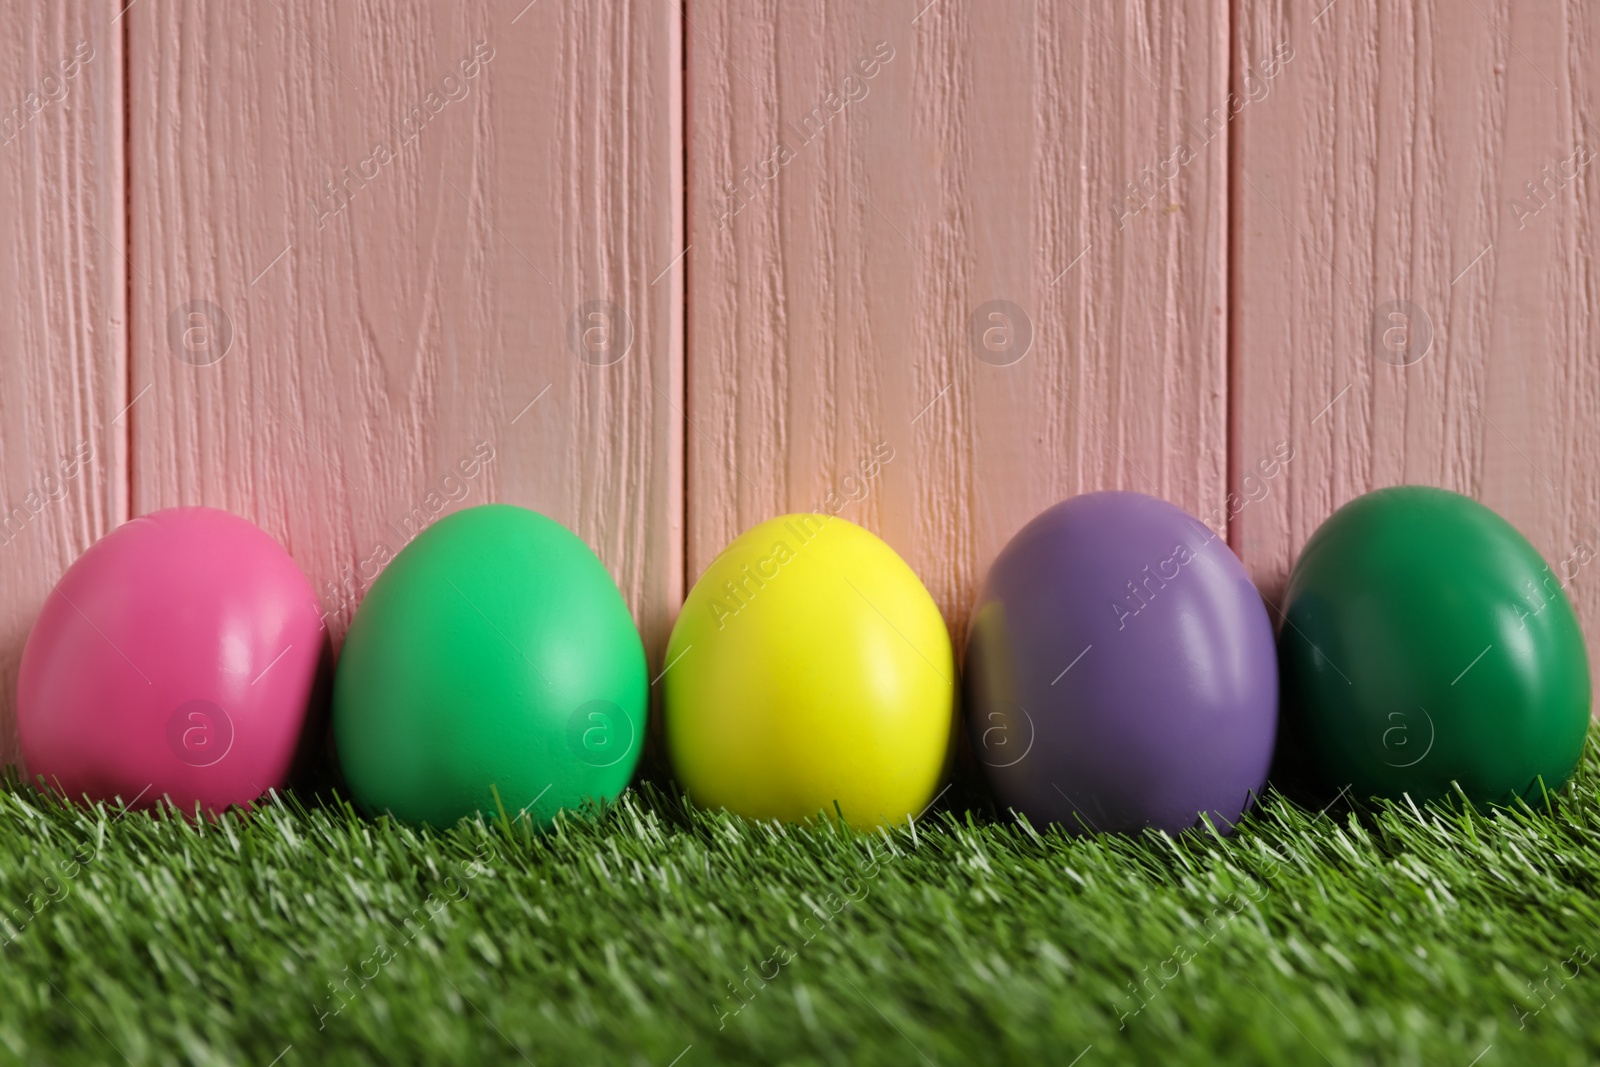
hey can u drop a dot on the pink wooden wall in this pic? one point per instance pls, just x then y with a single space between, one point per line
675 269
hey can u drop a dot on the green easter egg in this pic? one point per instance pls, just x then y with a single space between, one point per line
493 655
1427 643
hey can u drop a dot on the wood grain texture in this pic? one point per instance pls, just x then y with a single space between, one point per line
63 340
846 234
1391 162
401 219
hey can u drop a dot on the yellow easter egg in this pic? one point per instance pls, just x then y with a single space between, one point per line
810 668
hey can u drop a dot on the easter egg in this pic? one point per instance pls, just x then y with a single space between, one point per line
1427 643
810 671
174 659
493 666
1120 670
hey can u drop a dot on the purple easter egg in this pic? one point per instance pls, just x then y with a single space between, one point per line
1121 670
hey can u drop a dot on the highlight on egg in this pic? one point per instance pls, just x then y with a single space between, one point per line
175 659
810 672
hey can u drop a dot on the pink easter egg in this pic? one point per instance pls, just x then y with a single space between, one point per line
176 659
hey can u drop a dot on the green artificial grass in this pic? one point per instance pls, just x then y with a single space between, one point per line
640 935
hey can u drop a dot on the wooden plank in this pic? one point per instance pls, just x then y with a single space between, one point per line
1407 311
867 182
408 258
63 340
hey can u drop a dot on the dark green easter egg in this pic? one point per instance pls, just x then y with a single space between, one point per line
494 655
1426 642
